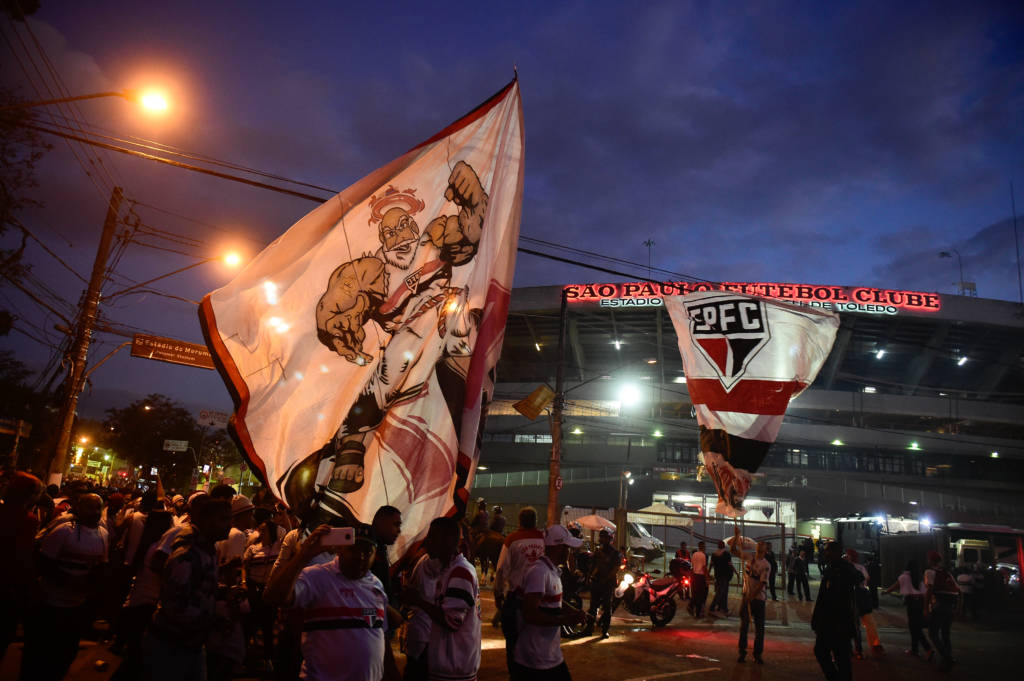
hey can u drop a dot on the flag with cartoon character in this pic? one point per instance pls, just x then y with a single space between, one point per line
360 346
745 358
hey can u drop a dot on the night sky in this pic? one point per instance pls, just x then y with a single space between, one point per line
832 143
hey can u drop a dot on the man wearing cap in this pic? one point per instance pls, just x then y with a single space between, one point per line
607 560
520 550
178 509
344 609
538 654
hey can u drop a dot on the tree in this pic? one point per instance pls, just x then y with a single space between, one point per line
137 433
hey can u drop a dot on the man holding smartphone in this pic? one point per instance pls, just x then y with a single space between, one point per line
344 607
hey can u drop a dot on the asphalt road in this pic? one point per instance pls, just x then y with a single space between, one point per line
707 649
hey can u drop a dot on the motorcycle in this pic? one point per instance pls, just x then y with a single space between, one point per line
573 585
654 598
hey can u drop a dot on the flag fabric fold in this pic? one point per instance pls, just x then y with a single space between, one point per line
360 346
745 358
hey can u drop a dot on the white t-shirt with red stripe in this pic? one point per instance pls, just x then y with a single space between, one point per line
454 653
521 550
343 624
539 647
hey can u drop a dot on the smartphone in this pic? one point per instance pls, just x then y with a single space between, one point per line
339 536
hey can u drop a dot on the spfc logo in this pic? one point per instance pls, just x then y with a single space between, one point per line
729 331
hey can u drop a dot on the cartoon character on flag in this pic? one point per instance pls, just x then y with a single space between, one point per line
360 346
415 304
745 358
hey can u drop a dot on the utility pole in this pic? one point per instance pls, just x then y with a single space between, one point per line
83 337
555 464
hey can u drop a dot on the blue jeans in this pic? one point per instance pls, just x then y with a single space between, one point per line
167 661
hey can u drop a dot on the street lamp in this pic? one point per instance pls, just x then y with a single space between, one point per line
149 99
83 333
230 259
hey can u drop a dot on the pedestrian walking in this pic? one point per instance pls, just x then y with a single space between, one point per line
497 520
791 557
344 608
755 578
699 580
865 606
800 572
769 556
834 614
603 571
911 586
521 549
455 637
940 601
538 653
721 563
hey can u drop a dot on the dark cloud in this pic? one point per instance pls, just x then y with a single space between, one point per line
840 143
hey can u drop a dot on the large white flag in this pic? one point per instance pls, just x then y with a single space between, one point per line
360 345
745 358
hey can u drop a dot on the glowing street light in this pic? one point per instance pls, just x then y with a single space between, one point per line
151 100
629 394
231 259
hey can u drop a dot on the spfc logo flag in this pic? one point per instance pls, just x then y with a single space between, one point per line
745 358
360 346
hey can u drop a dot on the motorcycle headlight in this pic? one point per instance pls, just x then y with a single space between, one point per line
627 579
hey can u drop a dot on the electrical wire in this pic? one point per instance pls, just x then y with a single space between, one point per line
46 248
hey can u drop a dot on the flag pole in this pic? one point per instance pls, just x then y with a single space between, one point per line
554 465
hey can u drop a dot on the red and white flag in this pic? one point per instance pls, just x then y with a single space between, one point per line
360 345
745 358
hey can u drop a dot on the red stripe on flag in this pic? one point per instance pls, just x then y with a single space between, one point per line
747 397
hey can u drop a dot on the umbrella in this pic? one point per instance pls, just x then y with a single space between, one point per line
595 522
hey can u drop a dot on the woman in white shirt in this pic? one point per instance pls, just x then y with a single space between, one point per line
911 586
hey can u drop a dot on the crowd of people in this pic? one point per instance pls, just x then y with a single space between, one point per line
211 585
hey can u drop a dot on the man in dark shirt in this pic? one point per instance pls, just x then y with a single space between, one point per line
387 525
173 644
834 617
721 563
769 556
605 568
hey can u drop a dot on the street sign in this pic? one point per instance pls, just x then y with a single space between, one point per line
175 445
171 350
558 483
216 419
15 427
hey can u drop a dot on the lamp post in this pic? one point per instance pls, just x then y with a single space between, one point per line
960 263
83 331
149 100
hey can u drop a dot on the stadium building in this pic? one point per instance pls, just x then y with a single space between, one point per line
919 409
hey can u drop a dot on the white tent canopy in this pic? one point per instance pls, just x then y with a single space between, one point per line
660 513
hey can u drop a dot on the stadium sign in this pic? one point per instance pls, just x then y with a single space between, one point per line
839 298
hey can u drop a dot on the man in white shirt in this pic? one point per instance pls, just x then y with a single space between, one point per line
454 609
70 560
699 580
521 549
756 572
344 610
538 654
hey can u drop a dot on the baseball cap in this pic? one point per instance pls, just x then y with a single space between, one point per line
557 535
240 504
176 498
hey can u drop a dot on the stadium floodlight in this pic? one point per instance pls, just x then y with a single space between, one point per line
837 442
629 395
